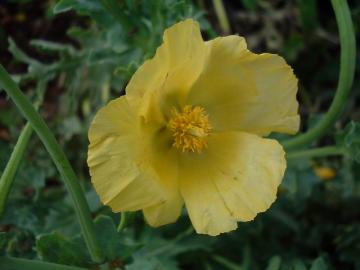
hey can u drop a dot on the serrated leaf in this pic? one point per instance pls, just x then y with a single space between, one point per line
55 248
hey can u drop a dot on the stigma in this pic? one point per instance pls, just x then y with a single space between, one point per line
190 128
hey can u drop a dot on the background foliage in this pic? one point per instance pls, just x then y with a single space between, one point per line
76 55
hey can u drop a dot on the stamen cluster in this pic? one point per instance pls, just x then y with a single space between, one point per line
190 128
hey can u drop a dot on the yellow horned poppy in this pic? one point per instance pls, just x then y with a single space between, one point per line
190 130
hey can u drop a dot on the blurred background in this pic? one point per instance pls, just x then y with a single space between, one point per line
73 56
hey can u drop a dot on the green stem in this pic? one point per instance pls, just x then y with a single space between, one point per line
221 15
8 175
11 263
60 160
346 77
123 221
246 263
317 152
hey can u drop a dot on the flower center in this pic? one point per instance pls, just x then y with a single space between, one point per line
190 128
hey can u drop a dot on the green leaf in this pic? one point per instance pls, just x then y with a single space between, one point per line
90 8
52 46
21 56
55 248
292 46
116 9
319 264
274 263
284 218
299 179
349 138
64 6
115 245
249 4
30 177
22 216
71 126
308 12
159 253
18 243
152 263
102 55
2 242
298 265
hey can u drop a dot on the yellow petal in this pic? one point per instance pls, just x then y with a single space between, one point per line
234 179
243 91
161 82
166 212
165 163
120 174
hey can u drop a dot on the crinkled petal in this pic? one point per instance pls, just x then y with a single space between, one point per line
163 81
243 91
123 180
234 179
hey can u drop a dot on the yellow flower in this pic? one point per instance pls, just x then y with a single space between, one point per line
190 130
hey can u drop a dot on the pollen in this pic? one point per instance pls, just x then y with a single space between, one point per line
190 128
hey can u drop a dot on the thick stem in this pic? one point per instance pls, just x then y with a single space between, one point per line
8 175
11 263
60 160
346 77
317 152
